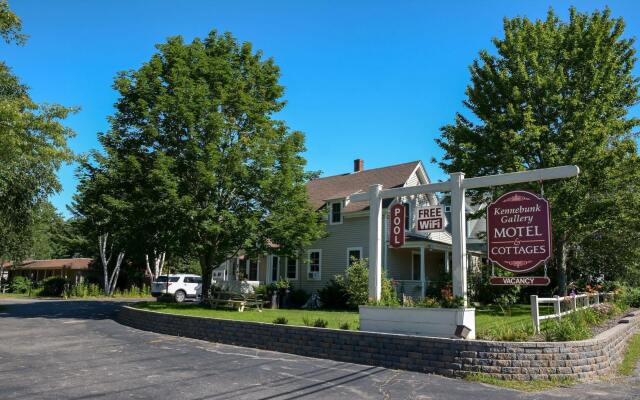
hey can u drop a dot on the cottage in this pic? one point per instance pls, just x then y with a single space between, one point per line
423 260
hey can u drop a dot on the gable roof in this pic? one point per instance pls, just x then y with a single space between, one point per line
340 186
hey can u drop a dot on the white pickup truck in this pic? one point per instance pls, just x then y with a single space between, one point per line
180 286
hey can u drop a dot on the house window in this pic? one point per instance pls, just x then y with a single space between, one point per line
336 213
252 270
275 268
407 216
292 268
314 264
353 254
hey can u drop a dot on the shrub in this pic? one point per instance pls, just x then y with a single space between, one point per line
20 284
281 321
429 302
53 286
333 296
355 282
510 333
320 323
306 321
262 291
345 326
298 298
572 327
351 289
605 310
282 283
449 300
481 290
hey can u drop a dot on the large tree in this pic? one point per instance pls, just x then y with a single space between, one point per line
33 145
553 93
199 117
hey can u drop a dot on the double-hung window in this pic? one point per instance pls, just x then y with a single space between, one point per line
292 268
314 264
252 270
353 254
335 216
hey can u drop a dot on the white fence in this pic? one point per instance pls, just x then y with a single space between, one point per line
564 305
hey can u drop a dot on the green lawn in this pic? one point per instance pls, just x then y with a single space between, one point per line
526 386
631 357
486 317
294 317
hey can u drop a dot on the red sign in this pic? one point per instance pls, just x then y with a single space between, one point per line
519 231
396 225
520 280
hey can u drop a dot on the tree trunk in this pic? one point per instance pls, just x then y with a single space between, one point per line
207 264
158 265
562 267
102 246
116 272
1 274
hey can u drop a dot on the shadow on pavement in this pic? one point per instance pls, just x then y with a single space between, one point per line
80 309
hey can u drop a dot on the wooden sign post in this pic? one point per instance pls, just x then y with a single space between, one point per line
457 184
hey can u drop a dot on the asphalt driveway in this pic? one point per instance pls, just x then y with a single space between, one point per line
52 349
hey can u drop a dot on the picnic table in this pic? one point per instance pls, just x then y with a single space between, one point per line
234 300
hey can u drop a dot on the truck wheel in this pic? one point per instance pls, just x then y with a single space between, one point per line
180 296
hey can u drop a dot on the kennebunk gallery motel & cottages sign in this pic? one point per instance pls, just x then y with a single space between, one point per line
519 236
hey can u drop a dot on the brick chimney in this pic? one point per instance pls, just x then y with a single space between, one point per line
358 165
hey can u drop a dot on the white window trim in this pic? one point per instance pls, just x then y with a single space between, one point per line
309 264
331 213
286 267
246 268
350 249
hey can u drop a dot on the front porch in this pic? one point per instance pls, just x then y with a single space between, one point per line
420 268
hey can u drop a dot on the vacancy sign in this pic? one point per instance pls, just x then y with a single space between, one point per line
519 231
396 225
430 219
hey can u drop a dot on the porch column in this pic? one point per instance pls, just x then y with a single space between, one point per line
423 274
375 242
447 266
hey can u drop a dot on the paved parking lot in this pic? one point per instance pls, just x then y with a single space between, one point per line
52 349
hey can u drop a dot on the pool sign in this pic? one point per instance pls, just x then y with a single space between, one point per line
430 219
519 231
396 225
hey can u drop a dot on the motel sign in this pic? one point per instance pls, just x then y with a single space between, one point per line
519 231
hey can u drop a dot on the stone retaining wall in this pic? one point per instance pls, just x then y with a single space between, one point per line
452 357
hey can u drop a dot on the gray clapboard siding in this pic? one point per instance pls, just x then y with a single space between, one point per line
353 232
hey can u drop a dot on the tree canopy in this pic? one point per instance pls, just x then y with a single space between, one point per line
33 145
555 93
197 160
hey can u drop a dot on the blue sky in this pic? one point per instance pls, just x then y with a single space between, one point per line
364 79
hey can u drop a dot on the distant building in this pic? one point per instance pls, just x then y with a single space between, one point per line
74 269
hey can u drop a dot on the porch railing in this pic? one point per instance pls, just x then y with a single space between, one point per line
413 288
